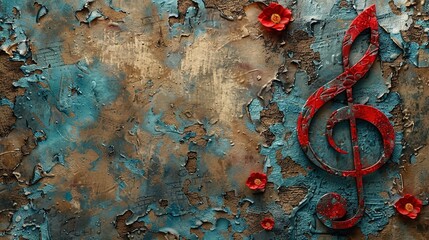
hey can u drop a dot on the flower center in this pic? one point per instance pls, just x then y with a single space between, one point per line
275 18
257 181
409 207
267 224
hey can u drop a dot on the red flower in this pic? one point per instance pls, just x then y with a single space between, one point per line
408 205
267 224
275 16
257 181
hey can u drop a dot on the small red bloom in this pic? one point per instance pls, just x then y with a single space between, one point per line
257 181
408 205
267 224
275 16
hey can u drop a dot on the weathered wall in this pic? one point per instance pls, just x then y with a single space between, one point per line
131 118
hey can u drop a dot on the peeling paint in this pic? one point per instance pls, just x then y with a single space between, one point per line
131 119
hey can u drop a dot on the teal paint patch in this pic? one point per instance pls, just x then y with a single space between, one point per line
68 196
254 109
93 15
62 111
30 223
60 100
6 102
389 51
36 191
195 21
133 165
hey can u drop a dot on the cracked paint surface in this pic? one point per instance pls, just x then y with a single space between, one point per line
143 119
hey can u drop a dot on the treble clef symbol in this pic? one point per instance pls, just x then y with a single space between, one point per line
331 208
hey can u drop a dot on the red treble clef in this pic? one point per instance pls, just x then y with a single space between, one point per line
331 208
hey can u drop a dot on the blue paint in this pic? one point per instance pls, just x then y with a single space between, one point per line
93 15
389 51
34 192
68 196
26 225
411 52
413 159
195 19
55 107
254 109
6 102
135 166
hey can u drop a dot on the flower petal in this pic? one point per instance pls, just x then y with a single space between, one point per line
408 197
418 202
268 11
287 13
265 20
267 224
278 9
268 24
262 16
279 27
284 21
402 211
282 12
401 202
412 215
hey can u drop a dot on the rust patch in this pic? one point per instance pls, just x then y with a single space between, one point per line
229 9
271 115
232 9
253 221
6 121
288 167
398 118
344 4
200 134
182 6
194 198
13 148
198 232
269 137
299 43
191 164
107 12
290 197
163 203
166 236
395 10
125 229
82 14
391 70
231 200
10 73
415 33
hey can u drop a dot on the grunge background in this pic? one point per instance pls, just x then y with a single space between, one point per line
138 119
